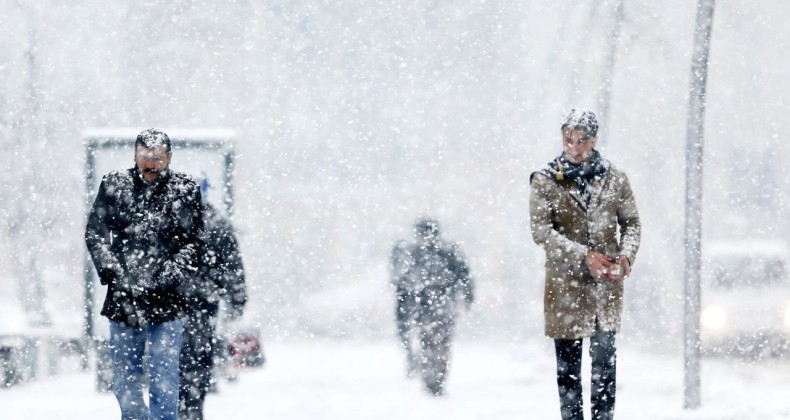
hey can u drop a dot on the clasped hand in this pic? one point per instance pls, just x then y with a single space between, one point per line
601 266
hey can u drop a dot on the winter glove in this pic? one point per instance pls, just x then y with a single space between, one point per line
235 312
468 300
169 275
107 276
119 283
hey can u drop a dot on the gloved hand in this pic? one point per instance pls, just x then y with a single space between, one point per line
169 275
468 300
118 282
107 276
235 312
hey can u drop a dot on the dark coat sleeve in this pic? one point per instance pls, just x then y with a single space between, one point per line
98 237
401 263
229 275
185 248
460 267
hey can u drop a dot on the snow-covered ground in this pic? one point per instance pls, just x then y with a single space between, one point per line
489 380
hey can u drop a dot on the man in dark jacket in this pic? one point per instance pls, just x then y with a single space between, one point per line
144 236
220 276
430 274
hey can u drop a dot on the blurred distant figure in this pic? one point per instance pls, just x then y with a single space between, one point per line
220 276
144 234
429 275
583 214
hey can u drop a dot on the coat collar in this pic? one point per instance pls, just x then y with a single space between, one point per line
154 187
551 171
595 188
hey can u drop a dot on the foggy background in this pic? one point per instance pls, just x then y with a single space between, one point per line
354 117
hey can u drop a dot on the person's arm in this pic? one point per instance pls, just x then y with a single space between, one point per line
544 234
182 265
630 226
400 264
98 238
464 281
232 287
541 224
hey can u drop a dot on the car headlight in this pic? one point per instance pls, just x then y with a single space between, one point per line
714 317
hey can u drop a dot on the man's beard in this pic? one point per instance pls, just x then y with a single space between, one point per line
145 173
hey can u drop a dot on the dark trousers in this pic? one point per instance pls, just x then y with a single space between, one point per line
196 363
603 378
404 320
436 334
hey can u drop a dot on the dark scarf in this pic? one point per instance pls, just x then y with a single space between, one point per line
582 174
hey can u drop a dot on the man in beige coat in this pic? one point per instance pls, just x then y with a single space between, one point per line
583 214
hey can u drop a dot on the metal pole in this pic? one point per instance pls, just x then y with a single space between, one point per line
693 232
89 296
605 93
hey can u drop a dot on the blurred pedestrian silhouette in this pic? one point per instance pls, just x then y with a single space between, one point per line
219 276
429 275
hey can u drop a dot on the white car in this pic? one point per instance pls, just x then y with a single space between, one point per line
745 298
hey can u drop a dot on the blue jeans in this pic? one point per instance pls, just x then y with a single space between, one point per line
127 346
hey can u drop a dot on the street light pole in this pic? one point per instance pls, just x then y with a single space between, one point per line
693 231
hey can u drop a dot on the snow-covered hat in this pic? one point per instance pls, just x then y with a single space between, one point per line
426 226
581 119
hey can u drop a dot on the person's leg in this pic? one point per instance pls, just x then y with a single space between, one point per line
188 372
435 338
127 346
197 360
205 363
165 347
404 323
412 359
603 379
569 384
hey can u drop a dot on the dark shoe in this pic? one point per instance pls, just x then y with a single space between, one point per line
436 389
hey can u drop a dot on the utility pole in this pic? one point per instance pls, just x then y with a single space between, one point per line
605 92
693 232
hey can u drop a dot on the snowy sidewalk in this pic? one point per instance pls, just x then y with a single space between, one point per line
327 380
